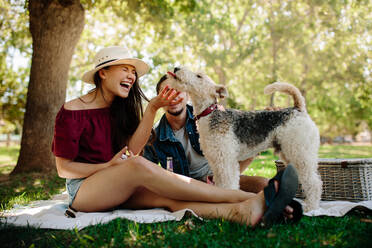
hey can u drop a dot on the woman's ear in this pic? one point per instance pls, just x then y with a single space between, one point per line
221 91
102 73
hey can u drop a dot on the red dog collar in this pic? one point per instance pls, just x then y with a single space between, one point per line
207 111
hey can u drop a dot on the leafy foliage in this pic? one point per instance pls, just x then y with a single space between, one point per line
320 46
14 40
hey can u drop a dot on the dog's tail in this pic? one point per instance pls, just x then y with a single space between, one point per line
299 101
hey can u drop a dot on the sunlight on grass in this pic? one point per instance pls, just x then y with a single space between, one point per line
4 159
20 199
37 182
5 170
9 155
19 189
263 165
328 151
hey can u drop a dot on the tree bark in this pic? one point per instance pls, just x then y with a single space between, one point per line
8 140
55 26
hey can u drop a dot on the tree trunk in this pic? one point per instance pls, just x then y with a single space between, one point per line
55 26
8 140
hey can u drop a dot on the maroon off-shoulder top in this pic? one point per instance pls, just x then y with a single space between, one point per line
83 135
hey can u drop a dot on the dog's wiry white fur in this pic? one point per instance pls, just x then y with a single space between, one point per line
227 137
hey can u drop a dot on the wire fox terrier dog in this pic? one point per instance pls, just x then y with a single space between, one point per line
229 136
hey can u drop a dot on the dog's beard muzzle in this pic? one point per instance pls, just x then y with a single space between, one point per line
175 82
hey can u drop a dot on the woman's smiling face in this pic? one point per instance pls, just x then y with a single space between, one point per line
117 80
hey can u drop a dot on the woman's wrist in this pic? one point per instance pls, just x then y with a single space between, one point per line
152 107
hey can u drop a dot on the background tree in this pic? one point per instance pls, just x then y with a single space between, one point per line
320 46
51 22
56 26
14 39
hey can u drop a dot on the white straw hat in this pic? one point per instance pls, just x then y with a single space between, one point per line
115 55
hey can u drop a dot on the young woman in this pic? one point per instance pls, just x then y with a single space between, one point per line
94 131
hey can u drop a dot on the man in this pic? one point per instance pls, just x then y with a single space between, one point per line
177 140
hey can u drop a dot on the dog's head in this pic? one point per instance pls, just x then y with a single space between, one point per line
197 84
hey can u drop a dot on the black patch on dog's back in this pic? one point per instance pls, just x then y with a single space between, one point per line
253 127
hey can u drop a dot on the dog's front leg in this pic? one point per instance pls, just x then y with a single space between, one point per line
221 150
226 171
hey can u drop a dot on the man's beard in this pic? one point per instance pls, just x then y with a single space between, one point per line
177 113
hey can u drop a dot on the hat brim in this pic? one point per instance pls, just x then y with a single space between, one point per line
141 68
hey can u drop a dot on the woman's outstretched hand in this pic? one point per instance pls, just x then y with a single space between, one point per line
121 155
168 96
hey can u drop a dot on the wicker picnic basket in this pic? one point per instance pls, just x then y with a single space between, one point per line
343 179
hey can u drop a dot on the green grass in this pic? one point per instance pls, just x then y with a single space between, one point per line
191 232
264 164
24 188
352 230
8 157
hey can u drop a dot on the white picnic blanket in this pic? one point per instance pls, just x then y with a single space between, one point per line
50 214
337 208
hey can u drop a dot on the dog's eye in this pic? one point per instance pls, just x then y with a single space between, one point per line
199 76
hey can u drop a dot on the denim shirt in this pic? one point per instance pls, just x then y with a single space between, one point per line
166 145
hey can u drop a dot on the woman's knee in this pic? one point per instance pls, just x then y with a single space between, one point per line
139 166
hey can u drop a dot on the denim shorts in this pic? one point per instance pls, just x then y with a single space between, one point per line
73 186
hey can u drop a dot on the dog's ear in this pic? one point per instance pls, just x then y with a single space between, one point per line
221 91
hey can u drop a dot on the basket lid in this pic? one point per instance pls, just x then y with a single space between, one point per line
346 161
340 161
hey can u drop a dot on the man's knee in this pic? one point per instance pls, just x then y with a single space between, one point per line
253 184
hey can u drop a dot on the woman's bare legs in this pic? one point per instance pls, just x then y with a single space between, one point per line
113 186
248 212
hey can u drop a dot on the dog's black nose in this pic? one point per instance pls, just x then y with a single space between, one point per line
176 69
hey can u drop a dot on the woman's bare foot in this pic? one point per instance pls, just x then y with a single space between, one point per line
250 212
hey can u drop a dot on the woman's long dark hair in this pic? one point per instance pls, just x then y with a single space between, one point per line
126 113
